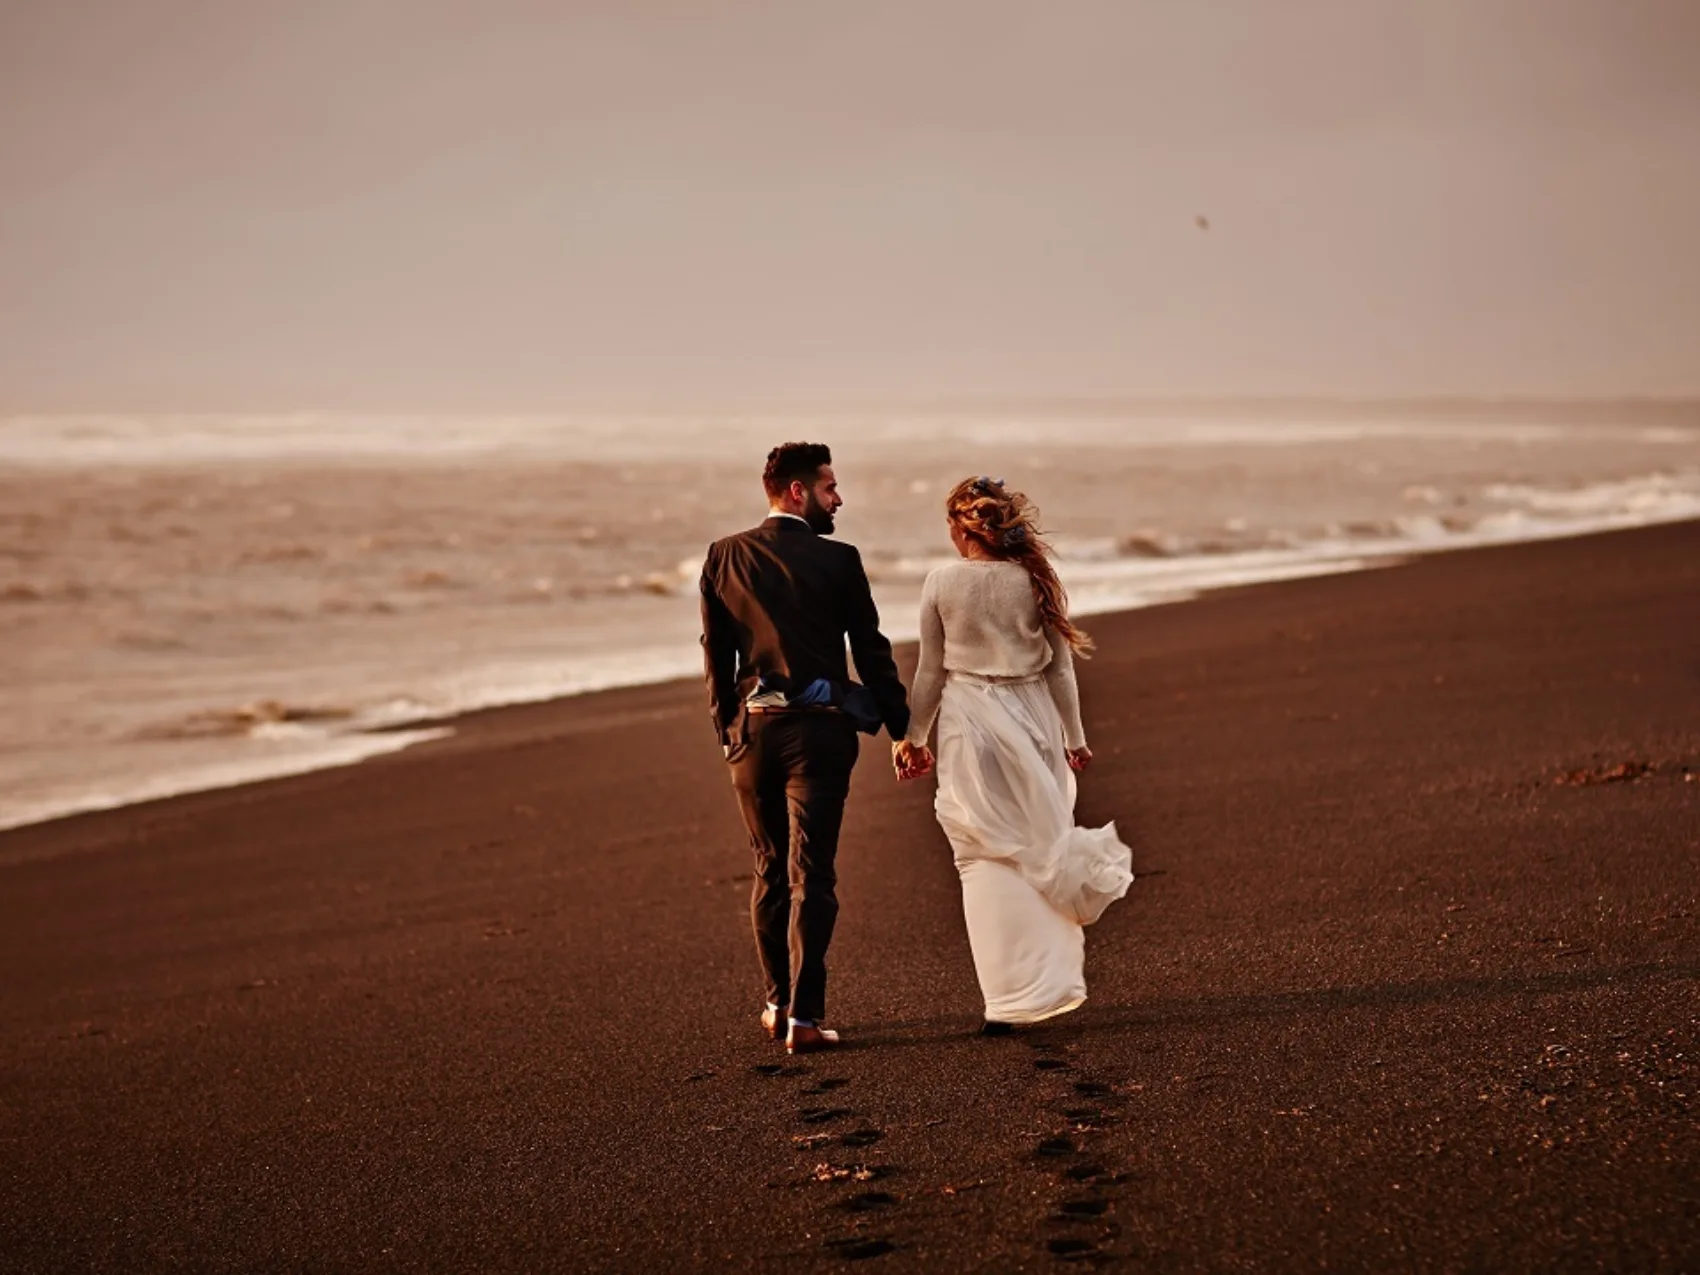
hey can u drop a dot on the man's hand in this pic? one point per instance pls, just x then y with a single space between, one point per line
1079 758
911 761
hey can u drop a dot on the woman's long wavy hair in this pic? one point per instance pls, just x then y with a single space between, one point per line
1006 524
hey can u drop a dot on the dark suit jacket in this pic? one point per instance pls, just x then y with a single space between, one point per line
777 604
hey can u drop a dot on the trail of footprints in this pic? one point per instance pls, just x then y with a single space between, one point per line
1081 1228
825 1128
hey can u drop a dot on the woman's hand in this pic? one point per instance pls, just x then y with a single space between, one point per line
1079 758
911 761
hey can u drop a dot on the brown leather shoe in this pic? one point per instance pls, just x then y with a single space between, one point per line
809 1040
774 1021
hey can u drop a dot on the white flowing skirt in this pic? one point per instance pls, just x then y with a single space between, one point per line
1030 878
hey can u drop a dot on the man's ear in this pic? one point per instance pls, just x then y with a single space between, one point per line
799 491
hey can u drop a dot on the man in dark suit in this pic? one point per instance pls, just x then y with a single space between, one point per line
778 603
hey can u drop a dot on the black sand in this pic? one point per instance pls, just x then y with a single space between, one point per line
1387 996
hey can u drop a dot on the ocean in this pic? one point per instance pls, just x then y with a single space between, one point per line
190 602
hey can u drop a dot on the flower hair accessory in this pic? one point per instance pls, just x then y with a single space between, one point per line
990 486
1016 535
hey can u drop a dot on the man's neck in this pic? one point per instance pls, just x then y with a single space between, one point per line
786 513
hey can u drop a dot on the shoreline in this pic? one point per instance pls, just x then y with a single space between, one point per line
361 746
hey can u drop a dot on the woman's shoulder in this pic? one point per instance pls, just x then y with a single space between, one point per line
963 573
945 572
977 582
970 568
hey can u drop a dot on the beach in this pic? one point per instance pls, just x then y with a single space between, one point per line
1407 980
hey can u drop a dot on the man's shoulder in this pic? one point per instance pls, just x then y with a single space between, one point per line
786 543
839 557
757 533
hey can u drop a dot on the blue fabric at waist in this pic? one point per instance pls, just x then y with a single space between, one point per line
814 695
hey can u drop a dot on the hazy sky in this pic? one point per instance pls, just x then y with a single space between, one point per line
412 204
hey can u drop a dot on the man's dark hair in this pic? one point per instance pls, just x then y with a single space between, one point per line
793 462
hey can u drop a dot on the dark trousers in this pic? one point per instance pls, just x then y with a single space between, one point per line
791 775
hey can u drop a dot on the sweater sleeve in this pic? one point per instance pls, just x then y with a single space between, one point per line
924 695
1065 692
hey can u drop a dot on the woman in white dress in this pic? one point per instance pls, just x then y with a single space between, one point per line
997 670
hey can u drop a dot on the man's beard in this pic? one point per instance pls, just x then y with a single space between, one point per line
817 516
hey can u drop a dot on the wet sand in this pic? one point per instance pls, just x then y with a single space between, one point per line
1388 994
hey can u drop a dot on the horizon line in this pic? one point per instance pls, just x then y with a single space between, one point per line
846 404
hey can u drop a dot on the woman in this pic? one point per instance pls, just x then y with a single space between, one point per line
997 669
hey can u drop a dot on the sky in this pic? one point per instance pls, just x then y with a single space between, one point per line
414 205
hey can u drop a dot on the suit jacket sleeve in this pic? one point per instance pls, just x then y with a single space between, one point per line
872 652
719 654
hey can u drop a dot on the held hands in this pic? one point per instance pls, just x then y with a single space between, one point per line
915 761
911 761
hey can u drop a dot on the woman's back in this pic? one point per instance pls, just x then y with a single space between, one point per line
979 618
990 619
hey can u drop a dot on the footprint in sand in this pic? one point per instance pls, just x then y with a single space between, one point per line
827 1084
1049 1064
868 1201
1070 1247
862 1137
820 1115
1054 1148
1087 1119
1092 1089
857 1249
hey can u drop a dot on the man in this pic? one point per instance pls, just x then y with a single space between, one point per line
778 603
